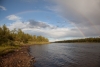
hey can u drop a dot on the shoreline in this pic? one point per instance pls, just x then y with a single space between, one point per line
17 58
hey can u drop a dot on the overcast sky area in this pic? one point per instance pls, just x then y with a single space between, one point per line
54 19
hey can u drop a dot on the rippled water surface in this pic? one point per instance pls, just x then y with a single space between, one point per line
66 55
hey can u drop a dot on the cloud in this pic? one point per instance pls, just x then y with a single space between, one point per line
47 31
3 8
18 25
13 17
55 34
28 24
39 24
84 14
31 25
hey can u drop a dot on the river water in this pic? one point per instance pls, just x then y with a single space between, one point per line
66 55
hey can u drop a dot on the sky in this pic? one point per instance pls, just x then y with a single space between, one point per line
54 19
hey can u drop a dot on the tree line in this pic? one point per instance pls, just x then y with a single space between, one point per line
15 37
90 40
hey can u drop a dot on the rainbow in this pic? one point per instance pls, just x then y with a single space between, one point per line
98 31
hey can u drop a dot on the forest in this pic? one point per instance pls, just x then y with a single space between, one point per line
90 40
18 37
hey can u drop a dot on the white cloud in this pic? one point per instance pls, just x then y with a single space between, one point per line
3 8
13 17
18 25
55 34
30 25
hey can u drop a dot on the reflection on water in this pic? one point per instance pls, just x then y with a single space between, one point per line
66 55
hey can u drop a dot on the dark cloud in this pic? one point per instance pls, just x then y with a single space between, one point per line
39 24
85 14
79 11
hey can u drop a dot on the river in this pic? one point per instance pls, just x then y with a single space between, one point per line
66 55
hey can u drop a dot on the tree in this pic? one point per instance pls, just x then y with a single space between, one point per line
34 38
10 37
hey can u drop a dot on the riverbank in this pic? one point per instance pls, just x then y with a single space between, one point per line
84 40
17 58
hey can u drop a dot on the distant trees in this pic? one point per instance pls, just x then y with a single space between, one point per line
96 40
14 36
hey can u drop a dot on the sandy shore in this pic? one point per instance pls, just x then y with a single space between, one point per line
18 58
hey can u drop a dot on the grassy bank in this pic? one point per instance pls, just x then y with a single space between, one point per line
7 49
